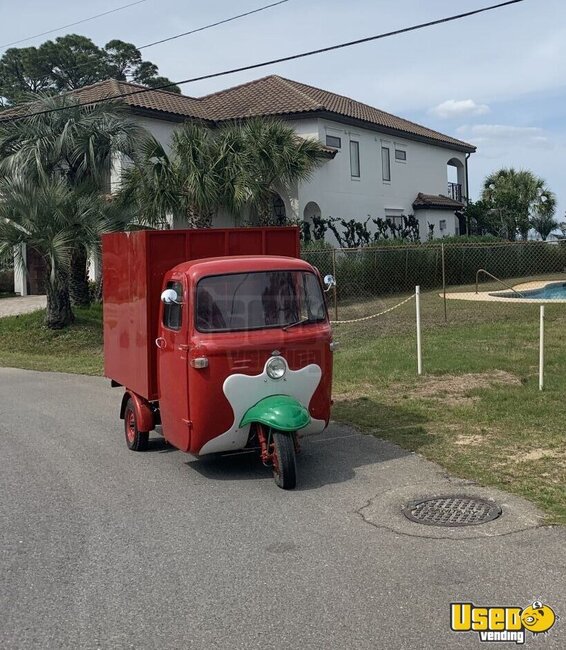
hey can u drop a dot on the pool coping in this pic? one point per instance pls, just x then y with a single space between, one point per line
496 296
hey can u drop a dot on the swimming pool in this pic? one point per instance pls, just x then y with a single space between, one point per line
551 291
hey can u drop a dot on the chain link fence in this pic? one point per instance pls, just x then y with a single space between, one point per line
375 278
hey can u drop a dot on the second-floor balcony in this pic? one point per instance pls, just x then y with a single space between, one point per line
455 191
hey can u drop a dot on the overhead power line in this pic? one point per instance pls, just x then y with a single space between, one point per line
86 64
78 22
283 59
220 22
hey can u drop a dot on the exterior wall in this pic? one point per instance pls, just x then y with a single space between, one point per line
160 129
332 186
338 194
437 218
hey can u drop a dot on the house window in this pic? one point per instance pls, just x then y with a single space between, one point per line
333 141
401 155
355 158
396 221
385 164
442 224
172 311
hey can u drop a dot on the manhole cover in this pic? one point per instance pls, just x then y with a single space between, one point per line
452 511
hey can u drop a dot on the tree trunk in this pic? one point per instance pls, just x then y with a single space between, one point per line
99 290
196 219
264 210
59 313
78 278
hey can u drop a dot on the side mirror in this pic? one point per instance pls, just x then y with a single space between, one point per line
169 296
329 282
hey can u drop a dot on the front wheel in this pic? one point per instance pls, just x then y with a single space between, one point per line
135 439
284 463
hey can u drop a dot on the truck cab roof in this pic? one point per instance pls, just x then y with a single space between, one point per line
197 269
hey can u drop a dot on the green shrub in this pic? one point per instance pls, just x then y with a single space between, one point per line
6 281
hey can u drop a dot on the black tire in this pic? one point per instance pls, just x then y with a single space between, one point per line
135 440
284 462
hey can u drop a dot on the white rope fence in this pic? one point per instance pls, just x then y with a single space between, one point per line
381 313
417 297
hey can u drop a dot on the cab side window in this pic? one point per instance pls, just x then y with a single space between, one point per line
173 311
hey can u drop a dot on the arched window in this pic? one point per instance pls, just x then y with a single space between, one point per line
311 210
455 173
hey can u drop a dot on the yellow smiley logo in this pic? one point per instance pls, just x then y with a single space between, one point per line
538 617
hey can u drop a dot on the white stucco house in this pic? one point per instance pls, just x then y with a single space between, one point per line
378 164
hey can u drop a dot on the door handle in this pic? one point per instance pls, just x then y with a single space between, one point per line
161 343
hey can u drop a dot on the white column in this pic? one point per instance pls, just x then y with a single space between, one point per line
419 346
541 351
20 279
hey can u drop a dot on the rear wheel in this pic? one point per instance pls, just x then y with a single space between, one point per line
284 462
135 439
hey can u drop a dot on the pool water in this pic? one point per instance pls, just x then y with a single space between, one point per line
552 291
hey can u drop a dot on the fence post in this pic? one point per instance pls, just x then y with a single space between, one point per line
335 287
419 348
444 284
541 351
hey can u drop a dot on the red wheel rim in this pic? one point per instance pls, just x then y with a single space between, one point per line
130 426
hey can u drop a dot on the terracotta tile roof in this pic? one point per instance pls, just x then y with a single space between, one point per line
438 201
276 95
268 96
154 100
161 101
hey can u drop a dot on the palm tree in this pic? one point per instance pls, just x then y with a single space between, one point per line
183 184
516 198
277 159
212 169
78 145
544 223
44 215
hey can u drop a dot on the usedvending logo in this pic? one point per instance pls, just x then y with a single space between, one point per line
499 624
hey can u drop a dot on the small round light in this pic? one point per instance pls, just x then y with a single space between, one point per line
276 368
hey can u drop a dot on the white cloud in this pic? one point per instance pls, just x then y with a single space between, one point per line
505 135
458 108
501 131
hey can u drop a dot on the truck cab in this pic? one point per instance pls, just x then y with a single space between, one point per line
225 352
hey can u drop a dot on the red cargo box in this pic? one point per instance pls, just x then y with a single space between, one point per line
134 264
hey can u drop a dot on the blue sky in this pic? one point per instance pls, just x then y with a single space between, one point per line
497 80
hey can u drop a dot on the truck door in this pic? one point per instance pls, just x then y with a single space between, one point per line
172 367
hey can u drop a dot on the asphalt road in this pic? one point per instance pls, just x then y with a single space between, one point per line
105 548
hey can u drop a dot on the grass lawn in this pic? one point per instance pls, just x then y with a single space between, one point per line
26 343
477 410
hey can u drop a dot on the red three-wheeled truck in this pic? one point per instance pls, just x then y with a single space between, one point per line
219 336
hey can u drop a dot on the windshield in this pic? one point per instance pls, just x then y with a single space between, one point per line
258 300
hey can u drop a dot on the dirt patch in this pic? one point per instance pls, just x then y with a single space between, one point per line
534 454
468 441
539 454
361 391
454 389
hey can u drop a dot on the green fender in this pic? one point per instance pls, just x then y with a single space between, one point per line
278 411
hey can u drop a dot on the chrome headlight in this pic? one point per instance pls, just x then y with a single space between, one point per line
276 368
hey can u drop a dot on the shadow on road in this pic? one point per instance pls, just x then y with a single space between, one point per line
160 445
329 458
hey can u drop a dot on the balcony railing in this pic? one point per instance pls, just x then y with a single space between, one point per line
455 191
